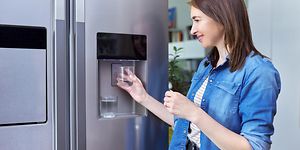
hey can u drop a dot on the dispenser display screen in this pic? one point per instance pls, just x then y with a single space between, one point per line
121 46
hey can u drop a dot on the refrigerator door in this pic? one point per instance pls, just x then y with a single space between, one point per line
26 76
135 129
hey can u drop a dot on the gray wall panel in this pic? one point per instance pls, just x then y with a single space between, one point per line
261 25
286 54
276 27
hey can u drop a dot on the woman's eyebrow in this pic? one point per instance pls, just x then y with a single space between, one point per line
195 17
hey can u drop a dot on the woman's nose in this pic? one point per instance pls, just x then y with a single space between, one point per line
193 31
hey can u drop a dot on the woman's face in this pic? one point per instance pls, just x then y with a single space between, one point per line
208 32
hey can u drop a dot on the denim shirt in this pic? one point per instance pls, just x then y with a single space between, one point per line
243 101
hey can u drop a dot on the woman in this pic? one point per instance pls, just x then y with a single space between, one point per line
231 102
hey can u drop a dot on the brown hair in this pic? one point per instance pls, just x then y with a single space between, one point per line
232 14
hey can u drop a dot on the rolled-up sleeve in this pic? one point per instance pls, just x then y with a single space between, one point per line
258 106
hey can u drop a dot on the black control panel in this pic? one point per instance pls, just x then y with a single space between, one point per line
121 46
27 37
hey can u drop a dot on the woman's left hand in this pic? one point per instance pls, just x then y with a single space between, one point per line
179 105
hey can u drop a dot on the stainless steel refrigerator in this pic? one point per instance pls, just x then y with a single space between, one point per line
58 66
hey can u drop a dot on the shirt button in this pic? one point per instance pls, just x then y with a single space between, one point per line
193 94
210 81
203 100
184 131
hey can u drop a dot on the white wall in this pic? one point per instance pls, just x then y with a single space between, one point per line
276 27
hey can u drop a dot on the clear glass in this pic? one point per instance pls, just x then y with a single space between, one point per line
108 106
123 74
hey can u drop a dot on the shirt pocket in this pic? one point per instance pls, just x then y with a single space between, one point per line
229 87
227 96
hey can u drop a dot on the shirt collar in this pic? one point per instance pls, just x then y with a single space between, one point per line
210 59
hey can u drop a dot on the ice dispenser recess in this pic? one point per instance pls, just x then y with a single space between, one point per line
115 53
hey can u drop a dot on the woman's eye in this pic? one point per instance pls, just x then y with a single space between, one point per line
196 20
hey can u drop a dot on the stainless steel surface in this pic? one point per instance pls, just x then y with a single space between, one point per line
80 13
62 97
72 68
31 136
72 74
131 17
23 86
26 12
74 125
60 9
81 87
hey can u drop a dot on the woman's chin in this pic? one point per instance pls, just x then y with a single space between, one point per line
204 45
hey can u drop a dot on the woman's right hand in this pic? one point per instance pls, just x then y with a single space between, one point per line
133 86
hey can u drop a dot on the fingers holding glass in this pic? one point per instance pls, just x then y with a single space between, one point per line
126 75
